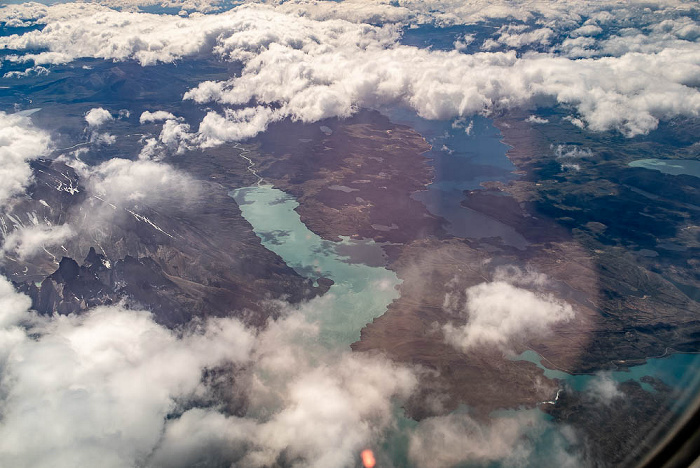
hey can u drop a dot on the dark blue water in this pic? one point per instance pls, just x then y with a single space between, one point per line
464 154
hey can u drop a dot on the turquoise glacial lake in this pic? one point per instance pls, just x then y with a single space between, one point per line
360 293
680 371
670 166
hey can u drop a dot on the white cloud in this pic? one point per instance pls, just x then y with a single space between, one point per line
537 120
32 71
439 12
157 116
25 242
453 12
569 155
20 142
235 125
357 11
520 277
683 27
310 83
459 439
445 441
113 388
13 311
587 30
96 117
144 189
151 149
604 388
205 437
571 152
22 15
332 412
578 47
13 307
570 167
515 38
463 43
94 390
104 138
498 313
575 121
327 405
176 136
186 6
462 123
90 30
490 44
42 58
296 67
125 183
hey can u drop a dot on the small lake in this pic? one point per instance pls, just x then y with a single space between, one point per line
670 166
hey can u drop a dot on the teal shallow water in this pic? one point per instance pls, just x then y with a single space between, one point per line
360 293
680 371
670 166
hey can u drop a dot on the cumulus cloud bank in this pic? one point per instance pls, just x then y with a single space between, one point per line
94 390
20 142
312 83
500 312
297 66
113 388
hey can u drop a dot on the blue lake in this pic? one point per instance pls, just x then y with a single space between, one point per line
464 154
